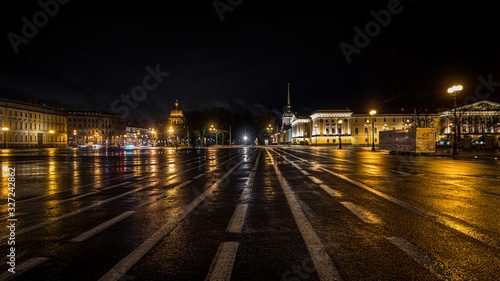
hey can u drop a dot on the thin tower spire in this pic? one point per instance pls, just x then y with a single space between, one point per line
288 94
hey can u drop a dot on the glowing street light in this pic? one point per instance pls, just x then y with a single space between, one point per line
5 130
245 138
50 142
373 112
454 91
340 132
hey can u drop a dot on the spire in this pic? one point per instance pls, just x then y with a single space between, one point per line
288 94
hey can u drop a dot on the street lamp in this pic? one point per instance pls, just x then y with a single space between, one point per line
454 91
5 130
153 132
316 133
270 131
373 112
245 138
212 129
171 131
51 132
340 132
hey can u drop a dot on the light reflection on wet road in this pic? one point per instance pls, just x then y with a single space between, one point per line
164 214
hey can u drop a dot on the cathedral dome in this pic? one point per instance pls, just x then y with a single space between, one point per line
176 112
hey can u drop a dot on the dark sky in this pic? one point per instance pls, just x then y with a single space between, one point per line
90 51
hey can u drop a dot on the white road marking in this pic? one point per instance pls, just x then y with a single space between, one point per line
222 265
444 221
245 195
315 180
198 176
238 219
299 168
364 215
67 190
70 214
251 178
126 263
151 201
332 192
22 268
86 235
422 258
89 193
322 262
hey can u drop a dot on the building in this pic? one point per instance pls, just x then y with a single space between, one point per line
329 126
325 127
301 129
137 135
363 132
479 125
31 124
88 127
176 131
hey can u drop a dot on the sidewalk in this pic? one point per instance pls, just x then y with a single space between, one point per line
469 153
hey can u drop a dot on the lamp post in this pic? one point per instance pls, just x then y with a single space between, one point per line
50 140
214 130
269 132
373 112
74 137
316 134
340 132
170 131
5 131
454 91
153 132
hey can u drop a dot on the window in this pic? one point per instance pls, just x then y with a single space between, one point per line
356 140
393 119
375 119
375 130
356 132
15 113
385 119
366 131
356 119
403 119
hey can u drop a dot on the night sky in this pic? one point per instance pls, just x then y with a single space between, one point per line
90 53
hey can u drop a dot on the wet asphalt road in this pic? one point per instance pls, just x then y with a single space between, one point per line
248 213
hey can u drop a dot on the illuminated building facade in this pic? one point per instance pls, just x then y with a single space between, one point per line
329 125
89 127
479 125
31 124
301 129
